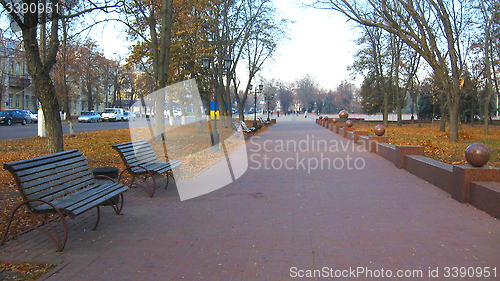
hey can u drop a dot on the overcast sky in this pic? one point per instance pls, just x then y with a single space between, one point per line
321 43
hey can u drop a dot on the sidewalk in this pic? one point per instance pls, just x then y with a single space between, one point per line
271 223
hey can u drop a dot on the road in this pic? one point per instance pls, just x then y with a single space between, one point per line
18 131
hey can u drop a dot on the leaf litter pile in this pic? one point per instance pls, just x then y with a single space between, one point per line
23 271
182 143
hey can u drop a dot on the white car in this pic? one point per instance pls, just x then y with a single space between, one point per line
129 116
90 117
177 113
33 117
112 114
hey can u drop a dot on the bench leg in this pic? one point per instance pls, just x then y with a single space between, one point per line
98 217
168 177
135 179
54 236
118 209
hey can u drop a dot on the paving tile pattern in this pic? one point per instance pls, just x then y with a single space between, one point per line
270 220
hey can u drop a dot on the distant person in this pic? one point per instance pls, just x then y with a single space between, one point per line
305 114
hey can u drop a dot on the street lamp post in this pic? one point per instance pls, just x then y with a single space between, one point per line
255 102
214 134
268 104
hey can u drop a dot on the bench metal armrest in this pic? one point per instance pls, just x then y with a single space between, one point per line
104 177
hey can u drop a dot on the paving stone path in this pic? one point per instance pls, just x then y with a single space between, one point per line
295 210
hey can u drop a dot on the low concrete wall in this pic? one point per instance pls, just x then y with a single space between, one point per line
370 142
403 150
397 153
485 195
346 130
357 133
435 172
388 151
464 174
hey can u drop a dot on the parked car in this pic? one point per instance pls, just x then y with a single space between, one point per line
177 113
32 116
10 116
112 114
89 117
129 116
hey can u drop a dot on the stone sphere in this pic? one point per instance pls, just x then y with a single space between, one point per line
349 123
334 120
343 114
379 130
326 118
477 154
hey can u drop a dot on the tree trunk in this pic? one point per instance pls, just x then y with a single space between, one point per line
198 114
442 107
454 118
472 112
39 67
183 114
50 106
386 110
65 82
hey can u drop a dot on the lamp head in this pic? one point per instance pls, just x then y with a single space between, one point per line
227 63
250 87
206 62
261 87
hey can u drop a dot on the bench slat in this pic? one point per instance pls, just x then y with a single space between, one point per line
102 198
45 170
63 189
158 168
18 166
50 178
149 157
77 200
57 179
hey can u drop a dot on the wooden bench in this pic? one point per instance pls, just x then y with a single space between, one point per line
60 184
244 125
238 127
141 163
264 122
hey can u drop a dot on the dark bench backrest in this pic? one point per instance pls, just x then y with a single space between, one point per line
52 176
136 152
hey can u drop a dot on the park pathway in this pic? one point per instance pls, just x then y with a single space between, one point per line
310 200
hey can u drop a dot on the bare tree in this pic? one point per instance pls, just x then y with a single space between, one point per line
40 33
254 33
489 11
307 87
150 23
433 28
